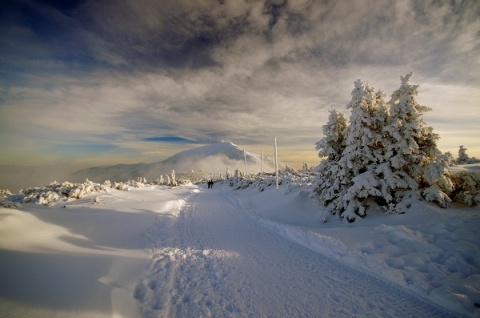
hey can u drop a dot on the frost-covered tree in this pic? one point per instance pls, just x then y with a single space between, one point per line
462 158
328 186
160 180
332 144
305 167
413 150
228 174
289 169
347 176
364 149
385 154
173 181
237 173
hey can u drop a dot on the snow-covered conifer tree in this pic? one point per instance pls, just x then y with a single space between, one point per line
329 184
238 173
228 174
413 151
173 181
333 142
462 158
364 149
160 180
385 154
305 167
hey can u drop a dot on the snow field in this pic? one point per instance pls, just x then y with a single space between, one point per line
189 251
80 258
214 259
431 251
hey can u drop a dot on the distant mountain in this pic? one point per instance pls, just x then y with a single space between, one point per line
213 158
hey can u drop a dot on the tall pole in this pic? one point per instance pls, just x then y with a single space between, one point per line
245 157
276 164
261 163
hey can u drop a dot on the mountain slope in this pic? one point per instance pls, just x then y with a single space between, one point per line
212 158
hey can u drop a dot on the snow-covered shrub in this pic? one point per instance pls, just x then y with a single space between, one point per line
183 182
4 203
120 186
467 187
55 191
44 197
288 181
5 192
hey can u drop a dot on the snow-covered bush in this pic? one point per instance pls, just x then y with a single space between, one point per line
120 186
4 203
183 182
5 192
55 191
288 181
467 187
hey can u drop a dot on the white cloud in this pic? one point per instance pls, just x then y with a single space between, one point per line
239 71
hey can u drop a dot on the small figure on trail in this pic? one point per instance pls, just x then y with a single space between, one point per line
210 184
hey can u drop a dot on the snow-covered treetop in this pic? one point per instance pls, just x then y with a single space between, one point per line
333 142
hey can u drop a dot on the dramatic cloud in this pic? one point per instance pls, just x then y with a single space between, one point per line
138 80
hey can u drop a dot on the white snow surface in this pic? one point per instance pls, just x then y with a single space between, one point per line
197 252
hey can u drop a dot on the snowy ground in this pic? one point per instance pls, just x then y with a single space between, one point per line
192 252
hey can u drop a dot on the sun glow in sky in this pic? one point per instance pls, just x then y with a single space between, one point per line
106 82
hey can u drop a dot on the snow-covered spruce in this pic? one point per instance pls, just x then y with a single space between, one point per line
463 158
385 154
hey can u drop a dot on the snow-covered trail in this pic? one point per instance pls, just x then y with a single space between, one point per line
211 258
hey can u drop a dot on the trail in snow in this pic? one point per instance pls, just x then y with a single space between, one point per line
211 258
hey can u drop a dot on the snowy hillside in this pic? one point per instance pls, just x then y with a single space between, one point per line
222 148
212 158
216 157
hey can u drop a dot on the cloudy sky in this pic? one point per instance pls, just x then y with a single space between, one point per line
104 82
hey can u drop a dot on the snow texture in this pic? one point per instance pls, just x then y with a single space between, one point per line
234 251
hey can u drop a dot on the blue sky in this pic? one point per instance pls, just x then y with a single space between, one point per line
105 82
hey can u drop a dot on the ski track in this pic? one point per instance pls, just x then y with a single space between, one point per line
211 258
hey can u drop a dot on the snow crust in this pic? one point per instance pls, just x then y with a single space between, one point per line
188 251
433 252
